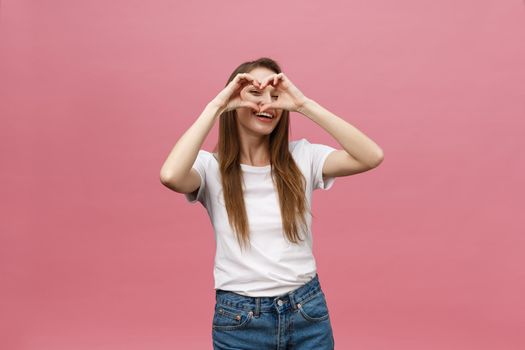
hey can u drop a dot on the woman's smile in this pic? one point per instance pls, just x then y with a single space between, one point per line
265 117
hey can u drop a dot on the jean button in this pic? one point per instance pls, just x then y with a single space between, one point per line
279 302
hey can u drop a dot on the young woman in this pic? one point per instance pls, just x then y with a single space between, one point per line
257 188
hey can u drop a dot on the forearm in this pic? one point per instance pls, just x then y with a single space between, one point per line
184 153
353 141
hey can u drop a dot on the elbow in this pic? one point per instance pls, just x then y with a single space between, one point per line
166 179
378 159
168 182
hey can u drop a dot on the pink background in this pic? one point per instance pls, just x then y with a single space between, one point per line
424 252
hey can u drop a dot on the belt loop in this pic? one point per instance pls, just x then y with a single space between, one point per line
257 306
292 300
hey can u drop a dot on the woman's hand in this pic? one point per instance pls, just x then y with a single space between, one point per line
229 98
290 97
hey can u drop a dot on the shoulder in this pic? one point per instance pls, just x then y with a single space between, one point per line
304 146
316 153
205 154
297 145
300 151
203 160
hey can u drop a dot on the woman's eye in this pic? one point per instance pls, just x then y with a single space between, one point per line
255 92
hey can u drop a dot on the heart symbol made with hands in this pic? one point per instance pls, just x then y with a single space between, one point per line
289 96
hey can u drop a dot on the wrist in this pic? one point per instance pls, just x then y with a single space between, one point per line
215 108
305 106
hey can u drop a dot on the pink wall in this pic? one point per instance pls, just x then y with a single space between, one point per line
424 252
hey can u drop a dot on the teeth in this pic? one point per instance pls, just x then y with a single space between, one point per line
265 114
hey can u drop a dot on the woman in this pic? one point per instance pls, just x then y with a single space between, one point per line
257 188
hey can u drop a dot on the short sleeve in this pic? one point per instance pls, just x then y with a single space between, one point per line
200 165
319 153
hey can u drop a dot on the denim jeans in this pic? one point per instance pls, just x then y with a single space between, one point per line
297 320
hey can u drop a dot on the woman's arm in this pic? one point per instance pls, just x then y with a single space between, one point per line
177 166
359 147
176 170
360 152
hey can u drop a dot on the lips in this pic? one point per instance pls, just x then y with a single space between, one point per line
263 119
264 115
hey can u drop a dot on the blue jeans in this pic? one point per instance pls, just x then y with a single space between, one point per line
297 320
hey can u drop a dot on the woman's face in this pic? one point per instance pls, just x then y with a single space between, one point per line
247 120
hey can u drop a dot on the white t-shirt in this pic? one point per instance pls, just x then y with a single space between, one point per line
272 266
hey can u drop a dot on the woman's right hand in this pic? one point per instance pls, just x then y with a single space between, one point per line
230 98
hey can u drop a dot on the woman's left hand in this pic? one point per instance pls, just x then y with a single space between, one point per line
289 96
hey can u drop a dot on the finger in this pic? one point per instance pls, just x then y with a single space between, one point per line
253 84
239 82
243 78
249 78
233 85
278 77
267 80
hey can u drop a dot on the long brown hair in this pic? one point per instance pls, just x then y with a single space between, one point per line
287 177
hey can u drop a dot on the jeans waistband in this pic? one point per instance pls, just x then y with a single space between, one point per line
261 304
